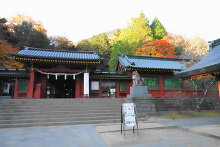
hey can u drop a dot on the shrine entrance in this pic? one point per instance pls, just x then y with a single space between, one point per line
60 88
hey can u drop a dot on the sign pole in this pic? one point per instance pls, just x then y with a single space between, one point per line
129 117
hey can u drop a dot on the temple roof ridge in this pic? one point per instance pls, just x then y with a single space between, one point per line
59 50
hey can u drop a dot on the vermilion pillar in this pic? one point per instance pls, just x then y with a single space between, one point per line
16 89
78 87
219 89
161 86
31 85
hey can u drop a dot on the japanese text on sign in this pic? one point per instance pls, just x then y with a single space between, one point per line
129 114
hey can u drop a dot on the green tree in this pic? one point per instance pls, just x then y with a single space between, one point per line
26 35
137 31
84 45
131 38
158 29
121 47
100 43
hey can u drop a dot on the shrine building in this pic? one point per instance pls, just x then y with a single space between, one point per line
66 74
157 74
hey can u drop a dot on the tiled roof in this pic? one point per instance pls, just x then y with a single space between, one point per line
147 62
109 75
4 72
57 54
210 63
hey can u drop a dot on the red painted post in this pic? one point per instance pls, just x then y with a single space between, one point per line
117 89
37 91
128 86
161 86
78 87
16 89
219 89
31 85
43 86
100 89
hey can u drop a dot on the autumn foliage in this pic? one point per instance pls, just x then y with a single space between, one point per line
157 48
6 60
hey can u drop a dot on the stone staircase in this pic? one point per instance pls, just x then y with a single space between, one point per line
46 112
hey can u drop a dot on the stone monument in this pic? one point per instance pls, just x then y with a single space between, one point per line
139 95
138 90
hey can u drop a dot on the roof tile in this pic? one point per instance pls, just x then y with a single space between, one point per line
46 53
150 62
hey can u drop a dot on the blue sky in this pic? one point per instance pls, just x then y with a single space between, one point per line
81 19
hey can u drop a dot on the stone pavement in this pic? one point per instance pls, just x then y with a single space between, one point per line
153 133
51 136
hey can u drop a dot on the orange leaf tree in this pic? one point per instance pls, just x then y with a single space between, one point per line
5 59
157 48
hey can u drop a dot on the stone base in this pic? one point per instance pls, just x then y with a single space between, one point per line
139 92
144 107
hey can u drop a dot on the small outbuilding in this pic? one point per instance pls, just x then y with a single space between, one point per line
210 64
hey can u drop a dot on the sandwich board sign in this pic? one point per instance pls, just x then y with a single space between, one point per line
128 116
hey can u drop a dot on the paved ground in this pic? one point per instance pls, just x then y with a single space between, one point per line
54 136
153 133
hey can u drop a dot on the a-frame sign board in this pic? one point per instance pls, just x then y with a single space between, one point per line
128 117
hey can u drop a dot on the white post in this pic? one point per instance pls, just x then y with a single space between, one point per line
86 84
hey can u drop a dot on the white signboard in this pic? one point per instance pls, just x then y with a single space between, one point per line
95 85
86 83
129 114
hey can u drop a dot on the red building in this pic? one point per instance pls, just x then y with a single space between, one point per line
158 74
65 74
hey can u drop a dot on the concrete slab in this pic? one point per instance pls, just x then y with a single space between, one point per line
190 122
56 136
163 137
209 129
151 134
117 126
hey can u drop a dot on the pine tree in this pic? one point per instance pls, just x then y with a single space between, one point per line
158 29
131 38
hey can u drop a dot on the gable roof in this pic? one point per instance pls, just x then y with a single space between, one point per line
147 62
210 63
14 72
57 54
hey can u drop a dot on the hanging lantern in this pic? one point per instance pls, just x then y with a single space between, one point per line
73 76
65 76
48 76
56 76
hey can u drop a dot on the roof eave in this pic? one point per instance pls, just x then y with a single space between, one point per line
25 56
209 69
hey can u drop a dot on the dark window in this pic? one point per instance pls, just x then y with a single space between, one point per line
151 83
171 83
122 86
22 85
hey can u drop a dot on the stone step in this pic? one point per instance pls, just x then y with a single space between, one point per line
54 115
59 105
2 126
57 101
72 119
58 112
32 112
62 108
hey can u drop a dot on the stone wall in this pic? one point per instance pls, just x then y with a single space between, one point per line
185 104
150 106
